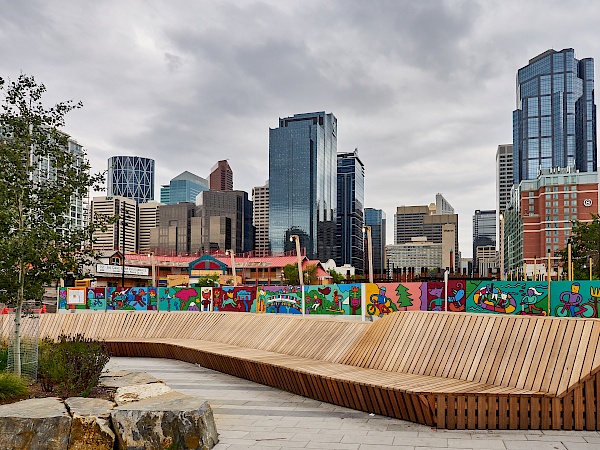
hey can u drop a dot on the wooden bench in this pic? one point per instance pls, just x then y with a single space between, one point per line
450 370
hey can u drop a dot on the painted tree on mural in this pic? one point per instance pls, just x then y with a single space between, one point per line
404 297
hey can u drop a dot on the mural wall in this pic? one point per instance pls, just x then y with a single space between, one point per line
567 299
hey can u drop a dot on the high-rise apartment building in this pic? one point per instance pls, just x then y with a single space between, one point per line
554 124
375 218
303 184
484 236
221 177
185 187
350 214
118 236
130 177
504 176
260 219
423 220
147 220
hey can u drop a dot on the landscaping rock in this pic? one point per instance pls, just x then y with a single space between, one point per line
41 423
171 420
124 378
90 428
139 392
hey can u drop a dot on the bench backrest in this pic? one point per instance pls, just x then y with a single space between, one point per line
544 354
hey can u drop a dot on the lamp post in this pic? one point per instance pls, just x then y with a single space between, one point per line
502 247
232 254
123 249
569 267
591 264
296 238
367 229
153 284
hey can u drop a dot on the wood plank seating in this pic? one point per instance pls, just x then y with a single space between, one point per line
448 370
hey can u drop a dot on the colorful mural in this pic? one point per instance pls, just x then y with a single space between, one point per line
333 299
180 299
235 298
131 299
575 298
96 299
279 299
509 297
62 298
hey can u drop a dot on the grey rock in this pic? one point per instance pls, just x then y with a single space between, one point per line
127 379
41 423
171 420
139 392
91 424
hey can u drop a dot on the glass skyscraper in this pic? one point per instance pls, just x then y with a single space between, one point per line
131 177
350 215
554 124
303 184
185 187
375 218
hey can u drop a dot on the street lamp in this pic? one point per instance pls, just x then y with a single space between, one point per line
123 249
502 247
153 284
367 228
232 254
295 237
569 267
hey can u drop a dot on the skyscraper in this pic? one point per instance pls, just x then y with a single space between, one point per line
554 124
185 187
131 177
350 215
375 218
504 176
484 235
260 219
221 177
303 184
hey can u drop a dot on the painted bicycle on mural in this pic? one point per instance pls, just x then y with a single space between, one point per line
573 305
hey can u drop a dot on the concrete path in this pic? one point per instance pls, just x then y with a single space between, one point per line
249 415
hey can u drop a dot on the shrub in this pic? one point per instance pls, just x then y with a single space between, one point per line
12 387
3 356
72 365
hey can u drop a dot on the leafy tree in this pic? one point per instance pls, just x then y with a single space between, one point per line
207 281
39 177
585 244
290 272
337 277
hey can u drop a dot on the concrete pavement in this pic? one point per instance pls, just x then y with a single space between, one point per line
252 416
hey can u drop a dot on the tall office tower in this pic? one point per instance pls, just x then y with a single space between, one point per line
554 124
504 176
303 184
350 214
178 230
418 221
226 221
484 235
442 206
131 177
44 170
221 177
185 187
147 220
260 219
117 236
375 218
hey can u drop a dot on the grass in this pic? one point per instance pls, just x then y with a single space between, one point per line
12 387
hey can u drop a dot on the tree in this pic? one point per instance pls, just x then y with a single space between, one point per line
290 272
337 277
38 179
585 244
207 281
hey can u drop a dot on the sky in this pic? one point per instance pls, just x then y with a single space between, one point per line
423 89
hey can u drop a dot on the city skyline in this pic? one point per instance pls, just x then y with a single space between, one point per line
424 90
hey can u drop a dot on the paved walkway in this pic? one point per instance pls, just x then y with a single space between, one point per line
249 415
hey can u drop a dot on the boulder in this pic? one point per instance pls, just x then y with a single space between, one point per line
90 428
139 392
40 423
124 378
171 420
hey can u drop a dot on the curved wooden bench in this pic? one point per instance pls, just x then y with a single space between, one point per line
448 370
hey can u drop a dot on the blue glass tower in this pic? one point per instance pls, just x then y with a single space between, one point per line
375 218
131 177
303 184
350 216
554 124
185 187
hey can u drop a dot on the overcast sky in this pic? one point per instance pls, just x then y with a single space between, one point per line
424 89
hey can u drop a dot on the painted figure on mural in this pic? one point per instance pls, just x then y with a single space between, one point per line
354 299
456 301
436 304
528 302
378 303
573 305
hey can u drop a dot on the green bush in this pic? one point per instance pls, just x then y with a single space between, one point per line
71 366
3 356
12 387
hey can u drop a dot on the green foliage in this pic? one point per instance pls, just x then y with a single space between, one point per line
37 243
207 281
3 356
585 244
337 278
290 272
12 387
71 366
